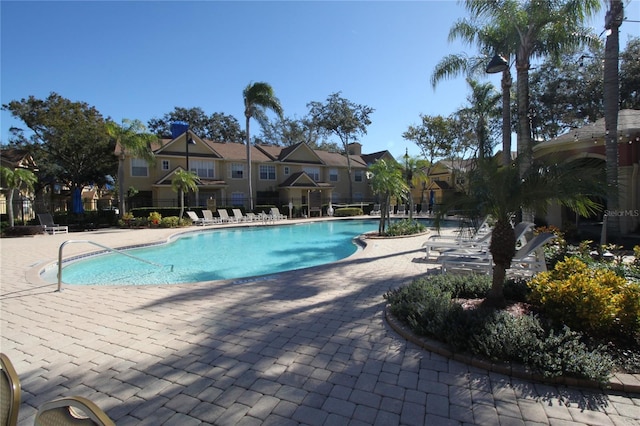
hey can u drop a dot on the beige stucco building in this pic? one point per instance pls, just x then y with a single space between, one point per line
294 174
588 142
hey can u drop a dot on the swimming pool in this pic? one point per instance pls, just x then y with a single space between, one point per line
229 253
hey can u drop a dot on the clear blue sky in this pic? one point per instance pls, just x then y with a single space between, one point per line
139 60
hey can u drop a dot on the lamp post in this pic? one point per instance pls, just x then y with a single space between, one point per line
177 129
408 179
500 64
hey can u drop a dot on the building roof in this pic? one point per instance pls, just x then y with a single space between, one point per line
628 124
17 157
299 153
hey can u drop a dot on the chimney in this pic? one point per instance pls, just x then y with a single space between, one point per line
355 148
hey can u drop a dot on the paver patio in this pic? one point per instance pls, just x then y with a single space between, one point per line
303 347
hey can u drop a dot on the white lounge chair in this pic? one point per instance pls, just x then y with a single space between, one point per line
195 219
480 248
209 218
252 217
528 260
224 216
375 211
401 210
238 216
46 220
276 215
440 243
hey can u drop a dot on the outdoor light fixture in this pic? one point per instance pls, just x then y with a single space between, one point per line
497 64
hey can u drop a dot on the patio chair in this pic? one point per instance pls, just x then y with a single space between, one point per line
276 215
9 392
238 216
375 211
401 210
74 410
46 220
209 218
528 260
481 237
252 217
224 216
195 219
480 248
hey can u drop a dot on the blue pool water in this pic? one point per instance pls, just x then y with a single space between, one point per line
225 254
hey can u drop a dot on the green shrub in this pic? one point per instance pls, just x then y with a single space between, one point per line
589 299
348 211
426 305
170 222
22 231
405 227
564 352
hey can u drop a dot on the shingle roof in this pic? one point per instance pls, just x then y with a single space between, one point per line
266 153
17 157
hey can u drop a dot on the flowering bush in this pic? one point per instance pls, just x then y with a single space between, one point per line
590 299
155 218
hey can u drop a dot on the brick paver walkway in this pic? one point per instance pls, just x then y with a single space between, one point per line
305 347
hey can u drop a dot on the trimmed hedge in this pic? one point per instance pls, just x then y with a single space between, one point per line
348 211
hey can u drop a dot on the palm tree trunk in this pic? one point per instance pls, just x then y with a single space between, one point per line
10 216
525 149
495 297
506 117
249 178
181 203
613 21
502 248
121 203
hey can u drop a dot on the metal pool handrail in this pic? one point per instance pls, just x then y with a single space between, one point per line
103 247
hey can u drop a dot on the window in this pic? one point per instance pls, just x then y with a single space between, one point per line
357 176
287 170
267 172
237 170
313 172
237 198
165 165
139 167
203 168
333 175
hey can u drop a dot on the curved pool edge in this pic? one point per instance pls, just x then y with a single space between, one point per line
34 275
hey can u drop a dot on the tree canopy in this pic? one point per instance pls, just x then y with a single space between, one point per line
217 127
70 141
289 131
569 93
342 118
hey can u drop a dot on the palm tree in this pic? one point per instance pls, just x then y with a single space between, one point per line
182 182
258 97
130 137
481 113
386 180
536 29
489 39
500 192
12 180
614 19
415 176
